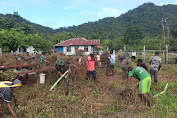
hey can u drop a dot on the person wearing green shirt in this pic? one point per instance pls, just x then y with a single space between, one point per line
42 59
145 81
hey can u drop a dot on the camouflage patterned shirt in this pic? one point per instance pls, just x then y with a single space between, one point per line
155 61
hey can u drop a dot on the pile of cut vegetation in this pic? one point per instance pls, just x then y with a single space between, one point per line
9 59
80 52
52 58
104 58
77 63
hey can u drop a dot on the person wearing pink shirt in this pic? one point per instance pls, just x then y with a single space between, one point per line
91 67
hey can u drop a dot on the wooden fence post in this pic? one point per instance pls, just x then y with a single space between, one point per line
163 53
166 55
124 48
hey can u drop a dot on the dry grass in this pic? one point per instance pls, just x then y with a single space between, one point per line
109 97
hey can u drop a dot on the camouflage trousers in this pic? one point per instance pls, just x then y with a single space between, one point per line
66 79
125 72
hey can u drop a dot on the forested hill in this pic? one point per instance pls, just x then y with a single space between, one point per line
148 16
14 20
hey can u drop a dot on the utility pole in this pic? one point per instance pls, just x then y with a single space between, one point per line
165 46
168 35
163 32
164 37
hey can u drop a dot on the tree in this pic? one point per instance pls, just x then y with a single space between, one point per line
174 34
133 35
114 44
11 40
173 40
94 36
58 37
39 43
26 28
16 15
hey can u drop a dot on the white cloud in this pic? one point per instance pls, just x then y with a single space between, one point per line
68 7
86 16
108 12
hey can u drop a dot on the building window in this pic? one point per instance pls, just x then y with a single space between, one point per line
86 48
68 49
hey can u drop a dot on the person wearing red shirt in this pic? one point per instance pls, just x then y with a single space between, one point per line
91 67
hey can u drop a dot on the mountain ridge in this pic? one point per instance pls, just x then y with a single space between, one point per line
148 16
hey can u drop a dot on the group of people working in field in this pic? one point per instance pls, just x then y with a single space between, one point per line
140 72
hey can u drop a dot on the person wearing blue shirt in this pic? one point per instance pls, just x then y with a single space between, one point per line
110 66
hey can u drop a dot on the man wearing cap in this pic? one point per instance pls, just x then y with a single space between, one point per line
7 92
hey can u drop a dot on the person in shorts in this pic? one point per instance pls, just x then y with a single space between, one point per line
144 82
110 65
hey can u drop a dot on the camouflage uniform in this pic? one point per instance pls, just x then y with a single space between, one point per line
121 57
62 67
126 63
42 61
155 62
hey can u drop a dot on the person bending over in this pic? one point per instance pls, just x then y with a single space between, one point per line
144 82
6 94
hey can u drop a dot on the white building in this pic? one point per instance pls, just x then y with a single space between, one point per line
69 47
30 49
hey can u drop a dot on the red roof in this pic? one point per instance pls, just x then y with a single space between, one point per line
79 41
99 46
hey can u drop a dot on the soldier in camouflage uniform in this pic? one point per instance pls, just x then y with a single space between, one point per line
155 65
121 56
62 66
42 59
126 63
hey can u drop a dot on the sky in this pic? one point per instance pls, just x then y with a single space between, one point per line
64 13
